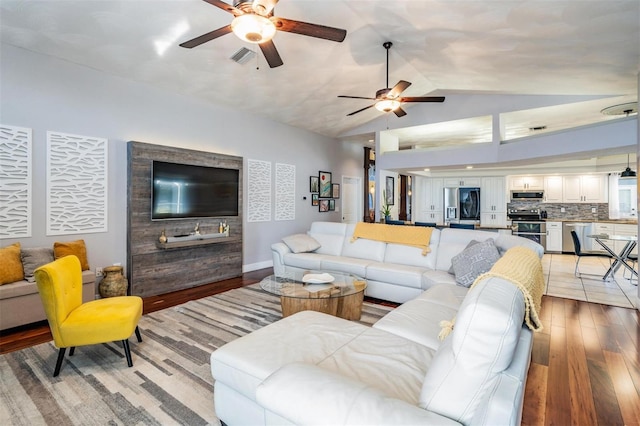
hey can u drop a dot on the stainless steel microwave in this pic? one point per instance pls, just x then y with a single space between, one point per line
527 195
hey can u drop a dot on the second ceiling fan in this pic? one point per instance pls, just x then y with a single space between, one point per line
389 99
254 22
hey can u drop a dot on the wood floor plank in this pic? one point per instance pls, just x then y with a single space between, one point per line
558 402
626 393
583 411
535 396
557 313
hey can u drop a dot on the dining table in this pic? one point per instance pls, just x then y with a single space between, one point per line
620 259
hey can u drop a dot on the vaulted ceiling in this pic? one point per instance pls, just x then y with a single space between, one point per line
588 49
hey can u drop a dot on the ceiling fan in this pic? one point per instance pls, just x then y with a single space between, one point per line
389 99
254 22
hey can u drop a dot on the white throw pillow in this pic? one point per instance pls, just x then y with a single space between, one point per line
301 243
474 260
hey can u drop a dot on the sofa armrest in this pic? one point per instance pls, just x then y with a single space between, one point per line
308 394
278 250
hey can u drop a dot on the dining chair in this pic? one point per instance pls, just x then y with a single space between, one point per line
581 253
634 261
74 323
394 222
429 224
462 225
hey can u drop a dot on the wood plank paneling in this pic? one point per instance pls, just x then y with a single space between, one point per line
152 270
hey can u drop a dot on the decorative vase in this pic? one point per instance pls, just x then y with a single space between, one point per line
113 283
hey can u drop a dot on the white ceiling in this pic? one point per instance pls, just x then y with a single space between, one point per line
539 47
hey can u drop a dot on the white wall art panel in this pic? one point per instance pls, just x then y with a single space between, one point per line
76 184
15 182
258 191
285 197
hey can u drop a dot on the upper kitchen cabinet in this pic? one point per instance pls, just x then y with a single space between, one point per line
585 189
553 189
525 183
462 182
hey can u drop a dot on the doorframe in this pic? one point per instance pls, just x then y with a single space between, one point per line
357 198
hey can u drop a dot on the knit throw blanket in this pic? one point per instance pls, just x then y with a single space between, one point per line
521 266
416 236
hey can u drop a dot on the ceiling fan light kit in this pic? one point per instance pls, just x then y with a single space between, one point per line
387 105
253 28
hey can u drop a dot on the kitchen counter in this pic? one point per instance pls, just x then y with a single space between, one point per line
620 221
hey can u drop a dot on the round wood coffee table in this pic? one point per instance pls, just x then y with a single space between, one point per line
341 297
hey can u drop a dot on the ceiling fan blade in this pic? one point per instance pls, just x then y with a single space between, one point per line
311 30
271 54
399 112
398 88
423 99
206 37
226 7
360 110
355 97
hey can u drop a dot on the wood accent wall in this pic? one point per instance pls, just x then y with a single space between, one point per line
152 270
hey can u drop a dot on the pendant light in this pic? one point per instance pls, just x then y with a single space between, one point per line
628 172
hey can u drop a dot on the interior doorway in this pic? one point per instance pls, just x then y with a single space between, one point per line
351 199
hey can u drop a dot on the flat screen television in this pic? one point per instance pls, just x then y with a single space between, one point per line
181 191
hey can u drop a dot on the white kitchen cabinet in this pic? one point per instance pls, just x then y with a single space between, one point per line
428 200
585 189
526 183
493 204
554 236
553 189
462 182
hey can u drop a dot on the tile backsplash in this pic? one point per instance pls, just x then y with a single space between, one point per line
573 211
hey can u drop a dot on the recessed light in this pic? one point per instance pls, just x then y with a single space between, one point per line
426 170
469 167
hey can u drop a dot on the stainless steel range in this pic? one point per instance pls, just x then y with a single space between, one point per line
529 223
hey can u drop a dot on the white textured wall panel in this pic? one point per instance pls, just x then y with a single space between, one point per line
258 191
285 196
15 182
76 184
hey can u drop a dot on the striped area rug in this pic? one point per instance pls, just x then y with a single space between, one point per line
170 381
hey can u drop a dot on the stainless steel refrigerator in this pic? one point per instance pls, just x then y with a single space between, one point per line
461 205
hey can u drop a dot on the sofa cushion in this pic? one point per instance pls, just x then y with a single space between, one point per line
76 248
432 278
402 275
362 248
345 264
304 260
330 235
33 258
482 345
476 259
10 264
301 243
453 241
408 255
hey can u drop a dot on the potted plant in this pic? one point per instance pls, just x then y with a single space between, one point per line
386 209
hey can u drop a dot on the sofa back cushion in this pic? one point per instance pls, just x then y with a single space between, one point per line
412 256
482 345
330 235
453 241
362 248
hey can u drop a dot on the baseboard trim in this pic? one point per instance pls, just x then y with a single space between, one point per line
256 266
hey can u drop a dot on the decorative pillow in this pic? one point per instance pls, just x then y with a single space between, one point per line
10 264
76 248
301 243
33 258
472 242
473 261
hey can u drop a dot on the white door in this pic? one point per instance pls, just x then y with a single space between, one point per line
352 209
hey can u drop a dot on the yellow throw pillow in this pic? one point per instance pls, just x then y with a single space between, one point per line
76 248
10 264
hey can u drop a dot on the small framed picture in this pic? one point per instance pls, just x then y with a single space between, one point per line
323 205
313 184
335 190
314 199
325 184
332 205
389 191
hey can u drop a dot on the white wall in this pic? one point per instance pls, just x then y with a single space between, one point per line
44 93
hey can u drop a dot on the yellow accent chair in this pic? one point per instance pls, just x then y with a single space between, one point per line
74 323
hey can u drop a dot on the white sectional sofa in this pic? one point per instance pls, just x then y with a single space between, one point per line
394 272
312 368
